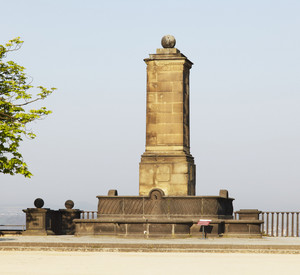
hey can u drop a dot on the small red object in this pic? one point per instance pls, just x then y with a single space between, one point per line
204 222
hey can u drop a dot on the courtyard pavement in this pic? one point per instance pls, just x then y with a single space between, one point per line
34 255
117 244
105 239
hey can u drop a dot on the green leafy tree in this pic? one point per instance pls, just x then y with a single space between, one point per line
16 99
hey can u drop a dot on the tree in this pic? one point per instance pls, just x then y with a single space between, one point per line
15 114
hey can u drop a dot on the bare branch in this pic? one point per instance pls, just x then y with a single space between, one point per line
23 104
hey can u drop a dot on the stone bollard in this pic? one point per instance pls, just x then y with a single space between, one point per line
39 221
67 217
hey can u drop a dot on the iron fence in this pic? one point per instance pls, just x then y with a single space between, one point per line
6 227
280 224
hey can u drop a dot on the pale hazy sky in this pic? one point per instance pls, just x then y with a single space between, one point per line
245 96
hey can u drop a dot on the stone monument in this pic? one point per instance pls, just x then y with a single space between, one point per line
167 205
167 163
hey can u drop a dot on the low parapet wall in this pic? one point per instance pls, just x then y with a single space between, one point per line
45 221
167 226
163 227
157 215
158 205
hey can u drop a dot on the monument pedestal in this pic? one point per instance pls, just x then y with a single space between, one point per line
156 215
174 174
67 217
39 221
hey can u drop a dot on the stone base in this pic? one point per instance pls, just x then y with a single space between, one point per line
161 227
157 205
38 233
134 227
174 174
67 217
41 222
247 226
162 216
157 215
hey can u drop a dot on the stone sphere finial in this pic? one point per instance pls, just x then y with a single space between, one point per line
39 203
168 41
69 204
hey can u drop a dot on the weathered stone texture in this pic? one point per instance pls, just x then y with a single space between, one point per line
41 221
67 226
45 221
175 175
167 163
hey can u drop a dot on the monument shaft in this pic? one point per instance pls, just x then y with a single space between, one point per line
167 163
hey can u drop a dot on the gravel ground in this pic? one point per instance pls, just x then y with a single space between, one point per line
75 263
101 239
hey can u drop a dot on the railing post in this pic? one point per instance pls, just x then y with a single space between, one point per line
272 224
292 224
88 214
287 223
277 223
297 224
282 223
267 225
289 226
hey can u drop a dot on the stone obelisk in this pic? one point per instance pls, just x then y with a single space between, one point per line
167 163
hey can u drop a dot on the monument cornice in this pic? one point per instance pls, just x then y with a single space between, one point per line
170 58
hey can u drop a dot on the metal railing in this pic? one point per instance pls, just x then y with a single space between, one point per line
88 215
280 224
12 227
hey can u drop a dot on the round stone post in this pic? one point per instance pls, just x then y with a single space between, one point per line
39 221
67 217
